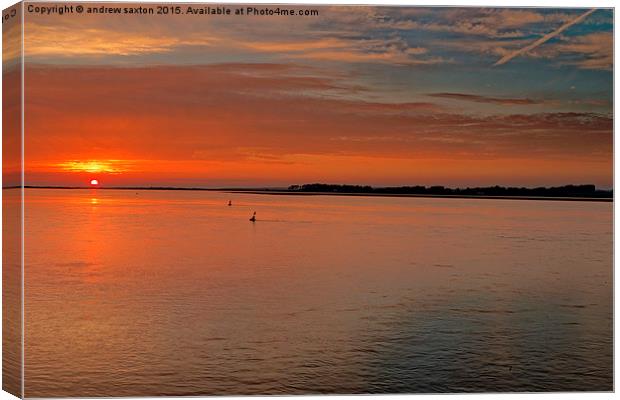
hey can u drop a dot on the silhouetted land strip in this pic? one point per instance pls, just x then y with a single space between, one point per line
565 193
588 191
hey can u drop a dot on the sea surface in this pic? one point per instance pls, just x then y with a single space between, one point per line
152 293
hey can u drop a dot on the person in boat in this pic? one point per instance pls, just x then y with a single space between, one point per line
253 219
229 202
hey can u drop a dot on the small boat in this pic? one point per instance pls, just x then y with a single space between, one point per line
253 219
229 203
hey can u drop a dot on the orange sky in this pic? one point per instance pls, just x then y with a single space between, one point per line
383 114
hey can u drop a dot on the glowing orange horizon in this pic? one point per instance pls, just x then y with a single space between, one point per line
93 166
327 168
137 132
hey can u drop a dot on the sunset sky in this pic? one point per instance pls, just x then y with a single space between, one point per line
380 96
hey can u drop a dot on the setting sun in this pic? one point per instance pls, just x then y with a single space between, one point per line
94 182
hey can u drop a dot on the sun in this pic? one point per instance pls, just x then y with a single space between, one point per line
94 182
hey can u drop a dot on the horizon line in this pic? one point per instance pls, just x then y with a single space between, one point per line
287 187
287 191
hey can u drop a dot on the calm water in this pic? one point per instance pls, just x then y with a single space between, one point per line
174 293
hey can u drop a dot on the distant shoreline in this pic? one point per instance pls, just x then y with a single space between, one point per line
452 196
284 192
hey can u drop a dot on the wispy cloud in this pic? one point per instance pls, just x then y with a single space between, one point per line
64 42
595 51
96 166
279 116
543 39
393 50
472 22
485 99
343 35
46 40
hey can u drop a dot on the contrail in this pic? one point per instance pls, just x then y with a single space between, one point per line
543 39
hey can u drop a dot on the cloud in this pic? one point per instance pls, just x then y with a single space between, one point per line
588 51
485 99
394 50
45 40
124 113
96 166
344 35
488 22
543 39
391 56
595 50
65 42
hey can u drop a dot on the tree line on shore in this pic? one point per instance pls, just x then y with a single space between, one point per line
558 191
